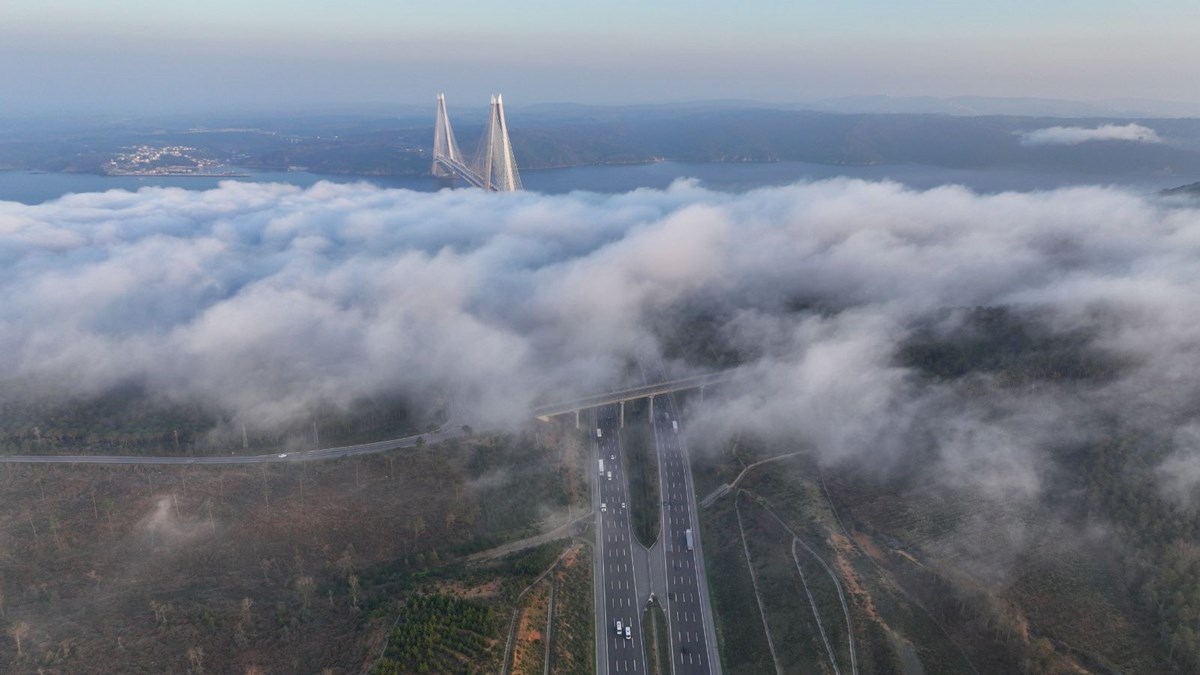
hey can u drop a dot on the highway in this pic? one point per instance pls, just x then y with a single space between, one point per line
689 612
446 432
617 597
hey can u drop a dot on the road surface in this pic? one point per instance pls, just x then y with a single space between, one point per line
447 432
616 583
689 612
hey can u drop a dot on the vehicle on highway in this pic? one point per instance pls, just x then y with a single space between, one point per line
599 434
612 457
622 504
610 475
601 466
628 633
618 626
675 426
603 506
688 533
282 455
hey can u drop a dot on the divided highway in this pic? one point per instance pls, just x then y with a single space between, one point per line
689 613
615 580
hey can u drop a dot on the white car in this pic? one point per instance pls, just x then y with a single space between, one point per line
618 627
622 504
603 507
282 455
628 633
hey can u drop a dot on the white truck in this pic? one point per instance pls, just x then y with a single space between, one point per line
602 466
688 535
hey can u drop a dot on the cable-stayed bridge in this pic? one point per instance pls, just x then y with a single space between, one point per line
493 167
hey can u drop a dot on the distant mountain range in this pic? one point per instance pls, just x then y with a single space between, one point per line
987 105
965 106
964 133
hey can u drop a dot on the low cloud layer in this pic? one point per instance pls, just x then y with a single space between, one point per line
1135 133
268 300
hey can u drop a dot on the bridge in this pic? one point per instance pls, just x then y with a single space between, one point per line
493 168
620 396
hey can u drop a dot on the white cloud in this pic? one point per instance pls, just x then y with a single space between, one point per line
1135 133
266 300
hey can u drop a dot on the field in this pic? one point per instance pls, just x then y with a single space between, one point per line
641 467
913 608
275 567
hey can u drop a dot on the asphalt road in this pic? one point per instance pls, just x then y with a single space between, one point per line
689 612
448 431
615 579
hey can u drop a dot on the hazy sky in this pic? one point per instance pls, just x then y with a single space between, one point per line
165 54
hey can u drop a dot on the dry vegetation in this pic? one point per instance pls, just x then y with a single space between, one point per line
284 568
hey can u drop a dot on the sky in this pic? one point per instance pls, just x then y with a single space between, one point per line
142 55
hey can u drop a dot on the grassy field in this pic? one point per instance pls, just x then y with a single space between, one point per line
289 568
641 466
913 608
740 635
656 639
572 641
892 630
529 646
128 421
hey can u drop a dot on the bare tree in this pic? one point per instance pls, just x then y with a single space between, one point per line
305 585
19 631
196 658
247 604
345 562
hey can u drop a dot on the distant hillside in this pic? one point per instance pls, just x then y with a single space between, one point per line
1190 190
548 136
728 134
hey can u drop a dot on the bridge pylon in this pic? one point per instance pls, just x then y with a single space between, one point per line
493 168
444 144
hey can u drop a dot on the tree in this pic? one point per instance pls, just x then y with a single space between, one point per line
247 603
354 589
305 585
18 631
196 658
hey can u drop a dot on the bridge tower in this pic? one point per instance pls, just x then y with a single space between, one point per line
493 168
495 161
444 145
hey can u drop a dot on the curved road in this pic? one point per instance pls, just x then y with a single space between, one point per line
446 432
